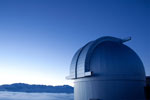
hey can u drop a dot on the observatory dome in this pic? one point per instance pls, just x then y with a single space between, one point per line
106 69
107 58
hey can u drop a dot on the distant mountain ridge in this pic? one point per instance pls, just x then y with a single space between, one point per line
22 87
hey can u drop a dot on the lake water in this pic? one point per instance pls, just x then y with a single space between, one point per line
35 96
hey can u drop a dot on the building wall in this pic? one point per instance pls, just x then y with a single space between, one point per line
109 90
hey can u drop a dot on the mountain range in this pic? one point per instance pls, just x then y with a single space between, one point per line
22 87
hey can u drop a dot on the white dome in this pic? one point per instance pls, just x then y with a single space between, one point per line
107 58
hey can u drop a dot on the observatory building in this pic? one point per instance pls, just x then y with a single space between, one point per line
107 69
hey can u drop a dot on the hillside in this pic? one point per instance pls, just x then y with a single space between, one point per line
21 87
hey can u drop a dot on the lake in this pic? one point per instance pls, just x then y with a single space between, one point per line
34 96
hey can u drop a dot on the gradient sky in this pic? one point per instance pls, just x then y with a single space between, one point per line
39 37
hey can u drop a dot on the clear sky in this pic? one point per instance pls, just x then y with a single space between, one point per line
39 37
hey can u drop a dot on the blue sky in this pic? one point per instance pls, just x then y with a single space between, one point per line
39 37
